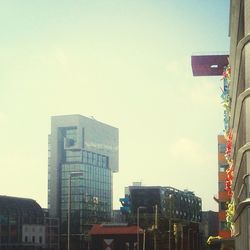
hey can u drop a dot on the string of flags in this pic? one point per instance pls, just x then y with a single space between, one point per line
228 133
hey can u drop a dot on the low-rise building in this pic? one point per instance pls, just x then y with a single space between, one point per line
21 224
115 236
170 217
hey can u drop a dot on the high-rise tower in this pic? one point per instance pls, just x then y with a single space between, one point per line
81 144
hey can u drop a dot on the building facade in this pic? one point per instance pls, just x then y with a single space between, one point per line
78 144
21 224
171 202
170 217
209 227
239 92
223 197
52 233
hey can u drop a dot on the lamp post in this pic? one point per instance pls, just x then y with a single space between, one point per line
144 239
155 224
189 247
169 222
72 174
138 226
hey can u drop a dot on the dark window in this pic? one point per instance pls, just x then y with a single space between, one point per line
223 225
33 239
223 205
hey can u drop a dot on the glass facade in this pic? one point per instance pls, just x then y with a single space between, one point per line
181 205
91 193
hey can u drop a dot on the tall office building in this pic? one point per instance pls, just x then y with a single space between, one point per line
81 144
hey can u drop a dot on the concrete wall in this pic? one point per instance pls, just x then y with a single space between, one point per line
240 117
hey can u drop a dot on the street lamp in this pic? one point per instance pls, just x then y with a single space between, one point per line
72 174
189 247
155 224
138 224
144 239
169 222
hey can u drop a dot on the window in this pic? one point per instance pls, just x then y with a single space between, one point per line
223 168
73 156
223 225
223 205
89 158
33 239
222 148
84 155
83 137
94 159
70 137
26 239
221 186
40 239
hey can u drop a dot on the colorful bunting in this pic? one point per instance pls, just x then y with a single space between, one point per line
212 238
230 214
226 97
226 102
229 138
229 179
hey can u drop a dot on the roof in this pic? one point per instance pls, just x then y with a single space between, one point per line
102 229
17 205
208 65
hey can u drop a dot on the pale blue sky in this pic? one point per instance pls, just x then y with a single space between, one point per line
127 63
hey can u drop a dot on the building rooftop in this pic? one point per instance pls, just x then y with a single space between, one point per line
110 229
20 206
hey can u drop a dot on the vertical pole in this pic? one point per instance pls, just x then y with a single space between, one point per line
138 221
182 237
176 236
169 232
144 239
155 226
169 222
189 247
197 240
193 240
69 210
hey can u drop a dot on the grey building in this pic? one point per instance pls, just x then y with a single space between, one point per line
240 117
81 144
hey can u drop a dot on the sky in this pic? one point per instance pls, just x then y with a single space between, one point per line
128 64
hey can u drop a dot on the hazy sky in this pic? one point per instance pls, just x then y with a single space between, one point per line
128 64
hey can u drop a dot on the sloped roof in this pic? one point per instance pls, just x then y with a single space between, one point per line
19 206
99 229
